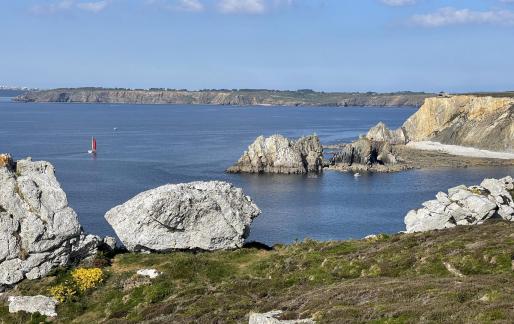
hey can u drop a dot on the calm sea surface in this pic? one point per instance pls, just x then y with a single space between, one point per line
155 145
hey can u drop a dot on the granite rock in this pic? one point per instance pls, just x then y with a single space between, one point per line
198 215
464 206
278 154
33 304
39 231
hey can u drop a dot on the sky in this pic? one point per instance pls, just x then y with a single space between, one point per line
327 45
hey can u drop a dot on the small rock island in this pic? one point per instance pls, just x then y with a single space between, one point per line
278 154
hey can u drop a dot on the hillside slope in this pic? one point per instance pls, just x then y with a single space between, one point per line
459 275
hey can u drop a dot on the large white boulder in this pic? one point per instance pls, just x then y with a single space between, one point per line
198 215
33 304
273 318
464 206
38 230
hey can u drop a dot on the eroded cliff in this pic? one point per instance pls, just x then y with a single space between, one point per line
481 122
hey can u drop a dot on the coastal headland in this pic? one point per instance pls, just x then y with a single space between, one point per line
239 97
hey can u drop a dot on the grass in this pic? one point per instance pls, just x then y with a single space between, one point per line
390 279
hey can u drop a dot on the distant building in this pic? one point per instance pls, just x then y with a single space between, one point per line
444 94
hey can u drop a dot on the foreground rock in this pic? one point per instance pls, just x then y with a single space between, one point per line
33 304
481 122
150 273
278 154
272 318
39 231
198 215
464 206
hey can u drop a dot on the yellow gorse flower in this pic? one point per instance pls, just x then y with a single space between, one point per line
62 292
87 278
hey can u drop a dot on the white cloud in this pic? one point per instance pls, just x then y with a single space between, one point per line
242 6
451 16
178 5
53 7
65 5
398 3
189 5
93 6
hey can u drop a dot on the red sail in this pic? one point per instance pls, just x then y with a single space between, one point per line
93 144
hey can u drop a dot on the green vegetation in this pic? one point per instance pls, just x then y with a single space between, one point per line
508 94
387 279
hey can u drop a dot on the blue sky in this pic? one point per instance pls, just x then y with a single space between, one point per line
331 45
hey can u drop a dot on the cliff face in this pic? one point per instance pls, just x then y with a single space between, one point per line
224 97
481 122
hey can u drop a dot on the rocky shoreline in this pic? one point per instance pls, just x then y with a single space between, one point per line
466 123
43 236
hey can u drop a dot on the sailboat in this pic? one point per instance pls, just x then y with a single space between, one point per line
93 146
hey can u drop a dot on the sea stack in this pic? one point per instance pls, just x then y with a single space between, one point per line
278 154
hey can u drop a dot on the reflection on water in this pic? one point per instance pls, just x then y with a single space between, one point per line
155 145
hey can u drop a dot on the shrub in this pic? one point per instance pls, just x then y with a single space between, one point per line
87 278
62 292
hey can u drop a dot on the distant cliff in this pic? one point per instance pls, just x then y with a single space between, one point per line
225 97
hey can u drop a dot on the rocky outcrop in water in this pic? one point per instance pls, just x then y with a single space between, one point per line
465 206
225 97
380 133
365 154
480 122
198 215
278 154
39 231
